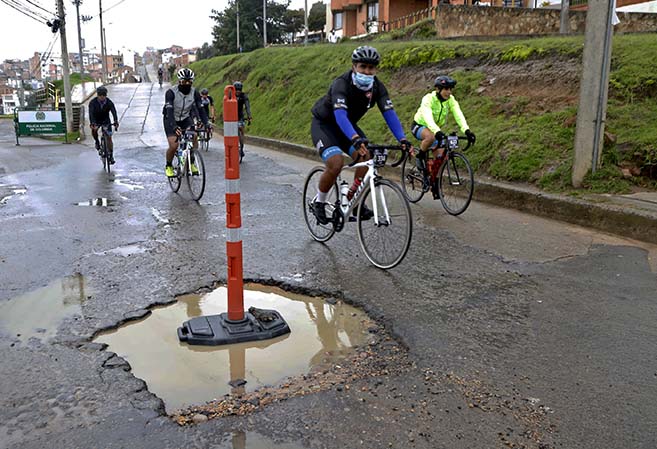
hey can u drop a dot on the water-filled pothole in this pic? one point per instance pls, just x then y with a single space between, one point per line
252 440
39 313
322 335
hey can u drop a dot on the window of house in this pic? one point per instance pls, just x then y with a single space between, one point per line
337 21
373 11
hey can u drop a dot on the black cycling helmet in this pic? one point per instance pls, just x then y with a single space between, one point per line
445 82
366 54
102 91
185 74
204 91
238 85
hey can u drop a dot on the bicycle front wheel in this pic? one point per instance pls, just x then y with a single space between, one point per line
196 176
320 232
175 182
106 156
385 244
456 184
241 136
412 180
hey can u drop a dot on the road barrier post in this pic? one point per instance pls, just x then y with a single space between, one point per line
234 326
233 206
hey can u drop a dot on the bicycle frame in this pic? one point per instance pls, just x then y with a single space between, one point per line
368 180
186 144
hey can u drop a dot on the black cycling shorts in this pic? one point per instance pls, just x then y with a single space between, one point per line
329 136
182 124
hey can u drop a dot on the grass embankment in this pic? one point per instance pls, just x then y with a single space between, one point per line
519 96
75 78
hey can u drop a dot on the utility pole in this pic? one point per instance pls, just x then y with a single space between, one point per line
102 41
264 22
77 10
564 27
237 6
594 84
67 81
305 21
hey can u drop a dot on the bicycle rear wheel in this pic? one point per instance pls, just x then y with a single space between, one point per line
456 184
175 182
412 180
196 178
320 232
386 244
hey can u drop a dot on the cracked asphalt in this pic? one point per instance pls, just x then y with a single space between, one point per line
520 331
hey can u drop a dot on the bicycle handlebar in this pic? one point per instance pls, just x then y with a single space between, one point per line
372 148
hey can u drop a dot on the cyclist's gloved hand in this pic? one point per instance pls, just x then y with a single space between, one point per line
406 145
360 144
178 131
440 137
116 126
471 137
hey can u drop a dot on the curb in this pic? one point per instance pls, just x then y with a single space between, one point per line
627 222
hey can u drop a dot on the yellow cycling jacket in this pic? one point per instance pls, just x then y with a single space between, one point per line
432 112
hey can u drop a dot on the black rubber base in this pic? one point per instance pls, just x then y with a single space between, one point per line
215 330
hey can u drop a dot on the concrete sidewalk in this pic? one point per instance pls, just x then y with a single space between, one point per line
633 216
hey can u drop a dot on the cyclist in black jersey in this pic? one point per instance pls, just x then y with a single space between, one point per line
334 130
100 109
181 104
208 104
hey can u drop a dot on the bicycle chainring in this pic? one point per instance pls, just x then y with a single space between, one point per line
338 219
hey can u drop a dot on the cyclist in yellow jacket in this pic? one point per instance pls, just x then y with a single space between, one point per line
432 115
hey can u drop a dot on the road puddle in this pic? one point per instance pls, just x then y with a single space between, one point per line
39 313
253 440
101 202
322 334
128 185
124 251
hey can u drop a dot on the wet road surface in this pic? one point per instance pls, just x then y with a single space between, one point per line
523 332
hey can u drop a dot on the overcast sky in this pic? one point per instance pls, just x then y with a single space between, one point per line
132 25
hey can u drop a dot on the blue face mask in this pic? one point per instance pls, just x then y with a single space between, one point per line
362 81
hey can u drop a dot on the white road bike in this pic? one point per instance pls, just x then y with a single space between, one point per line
385 237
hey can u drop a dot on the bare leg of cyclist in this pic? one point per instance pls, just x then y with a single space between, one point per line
173 146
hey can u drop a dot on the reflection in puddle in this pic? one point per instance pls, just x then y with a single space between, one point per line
182 375
102 202
253 440
38 313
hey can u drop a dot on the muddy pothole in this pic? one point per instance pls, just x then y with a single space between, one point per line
39 313
330 345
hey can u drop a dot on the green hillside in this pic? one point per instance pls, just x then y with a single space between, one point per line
520 97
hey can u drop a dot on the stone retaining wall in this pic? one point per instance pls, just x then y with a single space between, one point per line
459 21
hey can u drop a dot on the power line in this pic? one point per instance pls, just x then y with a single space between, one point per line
26 8
27 12
114 5
39 6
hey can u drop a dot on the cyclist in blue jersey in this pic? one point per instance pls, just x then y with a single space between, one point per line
334 127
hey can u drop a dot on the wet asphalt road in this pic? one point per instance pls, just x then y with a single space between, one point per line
524 332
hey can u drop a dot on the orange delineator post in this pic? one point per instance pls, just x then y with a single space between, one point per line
233 215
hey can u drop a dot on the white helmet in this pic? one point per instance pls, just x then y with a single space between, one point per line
185 74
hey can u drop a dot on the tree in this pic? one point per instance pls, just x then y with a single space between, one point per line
224 31
317 17
206 52
294 22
